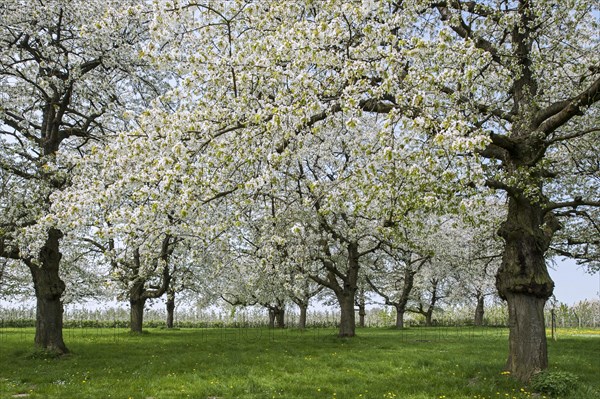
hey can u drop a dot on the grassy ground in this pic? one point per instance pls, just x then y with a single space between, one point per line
256 363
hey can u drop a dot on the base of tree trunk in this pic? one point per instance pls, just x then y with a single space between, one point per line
347 318
136 315
399 320
271 320
280 318
302 319
170 312
49 288
527 336
479 312
49 325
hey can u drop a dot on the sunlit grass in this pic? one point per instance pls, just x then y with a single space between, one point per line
258 363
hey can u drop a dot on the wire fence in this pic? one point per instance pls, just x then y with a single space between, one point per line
225 335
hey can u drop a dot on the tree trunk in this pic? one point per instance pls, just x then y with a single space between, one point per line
361 316
523 281
407 286
432 302
271 318
347 316
344 286
48 291
428 317
527 338
280 317
479 311
137 315
361 310
302 319
399 317
170 308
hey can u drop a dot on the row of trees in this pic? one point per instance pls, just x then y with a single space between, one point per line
442 274
581 315
265 151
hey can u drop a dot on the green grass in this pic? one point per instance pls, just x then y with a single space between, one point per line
258 363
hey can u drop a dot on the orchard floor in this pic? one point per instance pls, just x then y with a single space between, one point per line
433 363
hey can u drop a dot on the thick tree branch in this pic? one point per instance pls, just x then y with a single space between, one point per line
498 185
569 109
330 267
493 151
571 204
320 281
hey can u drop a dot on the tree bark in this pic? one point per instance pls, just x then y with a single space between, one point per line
170 308
344 286
302 319
523 281
361 310
407 286
347 316
276 314
136 315
428 317
138 294
361 316
428 313
137 301
271 318
400 310
48 291
280 317
527 338
346 295
479 311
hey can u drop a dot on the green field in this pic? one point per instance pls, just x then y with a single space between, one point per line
259 363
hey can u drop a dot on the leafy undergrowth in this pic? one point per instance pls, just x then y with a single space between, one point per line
258 363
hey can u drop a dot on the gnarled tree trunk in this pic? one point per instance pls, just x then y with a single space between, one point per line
138 293
48 291
523 281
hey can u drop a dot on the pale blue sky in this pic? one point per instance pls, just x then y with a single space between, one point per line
572 284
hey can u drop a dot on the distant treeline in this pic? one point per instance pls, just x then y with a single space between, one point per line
583 314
